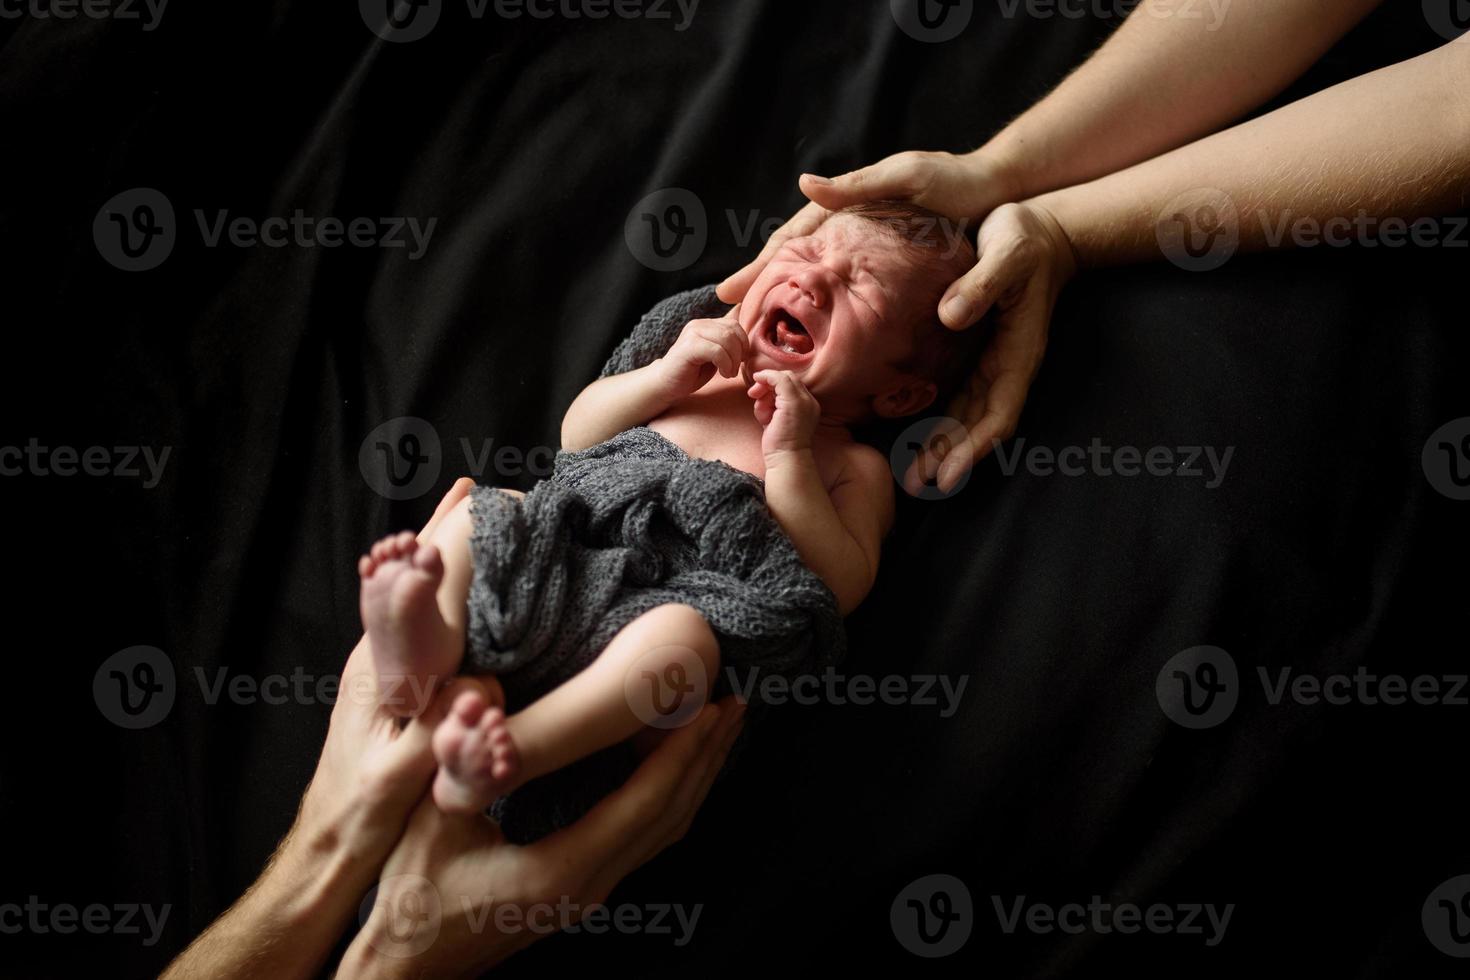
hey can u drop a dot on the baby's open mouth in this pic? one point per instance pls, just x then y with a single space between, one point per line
787 333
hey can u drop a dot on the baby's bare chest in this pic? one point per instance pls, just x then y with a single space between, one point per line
717 422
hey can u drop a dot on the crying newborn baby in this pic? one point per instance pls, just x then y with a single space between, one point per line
710 508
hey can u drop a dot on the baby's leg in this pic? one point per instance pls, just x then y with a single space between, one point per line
413 610
658 670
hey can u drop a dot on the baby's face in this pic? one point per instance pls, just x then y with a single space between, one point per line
838 309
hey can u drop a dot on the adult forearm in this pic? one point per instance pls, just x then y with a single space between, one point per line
1173 72
288 923
1391 144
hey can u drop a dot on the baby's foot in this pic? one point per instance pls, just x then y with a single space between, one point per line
478 759
412 645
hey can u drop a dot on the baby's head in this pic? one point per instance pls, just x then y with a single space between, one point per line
852 311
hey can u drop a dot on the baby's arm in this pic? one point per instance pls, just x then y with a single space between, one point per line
838 535
611 405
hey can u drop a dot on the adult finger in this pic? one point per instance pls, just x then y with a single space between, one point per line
801 224
900 177
677 811
622 821
1004 399
1001 269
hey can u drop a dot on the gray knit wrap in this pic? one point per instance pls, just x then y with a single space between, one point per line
616 530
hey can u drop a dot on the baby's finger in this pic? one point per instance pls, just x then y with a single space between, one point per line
731 339
765 408
714 352
786 385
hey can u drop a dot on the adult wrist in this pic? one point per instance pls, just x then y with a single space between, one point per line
998 166
1054 212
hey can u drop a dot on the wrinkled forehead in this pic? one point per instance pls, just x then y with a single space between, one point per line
899 248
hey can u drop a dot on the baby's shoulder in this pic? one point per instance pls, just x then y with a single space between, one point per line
865 467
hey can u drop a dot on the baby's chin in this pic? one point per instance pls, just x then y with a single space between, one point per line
759 362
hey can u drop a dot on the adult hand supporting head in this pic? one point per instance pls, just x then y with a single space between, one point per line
962 187
1024 261
456 898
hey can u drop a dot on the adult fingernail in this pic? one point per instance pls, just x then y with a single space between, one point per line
957 311
822 181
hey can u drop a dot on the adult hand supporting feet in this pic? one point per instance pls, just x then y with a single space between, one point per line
456 898
371 774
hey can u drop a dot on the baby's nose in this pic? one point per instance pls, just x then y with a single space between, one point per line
809 282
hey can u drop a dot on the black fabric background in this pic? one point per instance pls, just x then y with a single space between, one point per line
1059 778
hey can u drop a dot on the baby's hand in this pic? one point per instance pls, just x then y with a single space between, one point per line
786 410
704 347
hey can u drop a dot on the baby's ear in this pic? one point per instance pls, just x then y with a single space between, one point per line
906 396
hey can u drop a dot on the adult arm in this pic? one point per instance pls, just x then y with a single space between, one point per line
1162 79
456 898
1392 143
370 777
